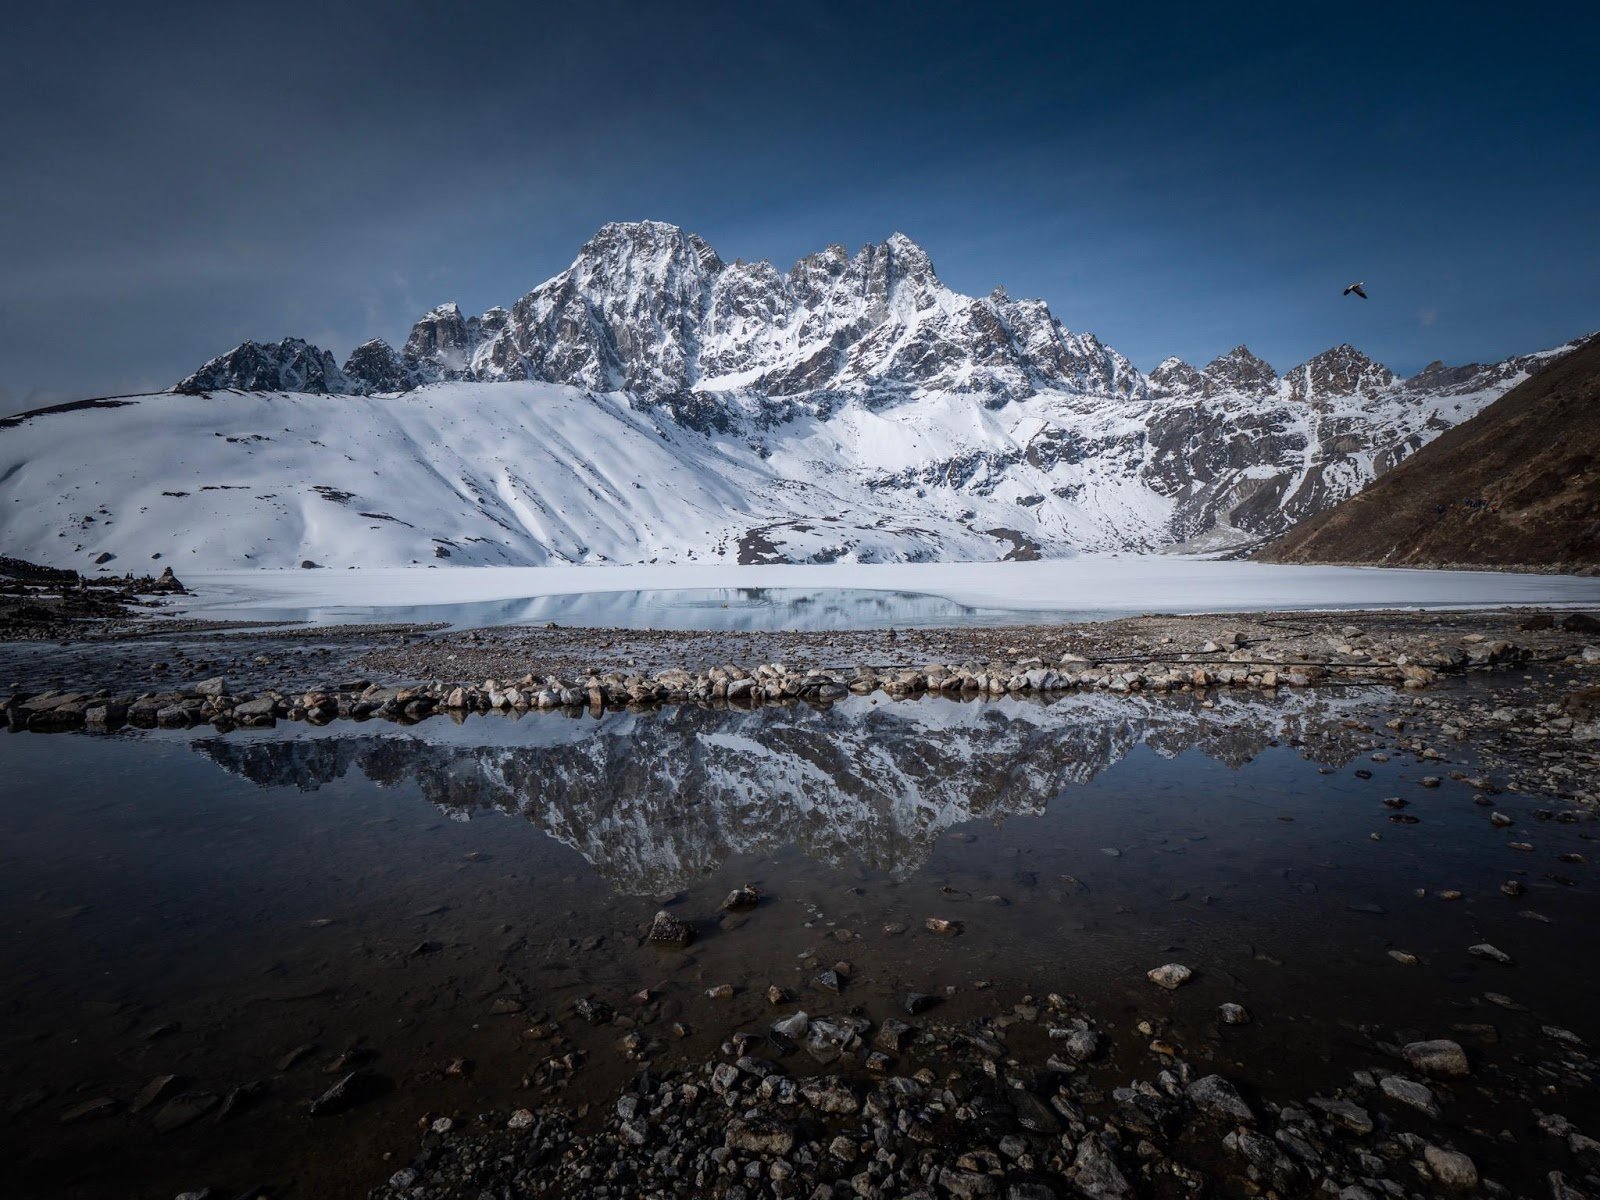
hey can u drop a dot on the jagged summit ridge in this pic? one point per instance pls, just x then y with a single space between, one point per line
651 309
292 365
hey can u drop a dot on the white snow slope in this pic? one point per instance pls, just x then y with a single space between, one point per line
653 404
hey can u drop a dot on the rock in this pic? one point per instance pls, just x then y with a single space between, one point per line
1234 1014
723 991
966 1185
1217 1098
941 925
893 1035
741 899
596 1012
240 1099
1409 1092
1171 976
1346 1113
1263 1155
172 716
918 1002
261 706
828 1037
1096 1173
89 1110
1082 1045
668 930
156 1089
1440 1058
830 1096
792 1026
184 1109
1450 1167
759 1135
1492 953
346 1093
1034 1115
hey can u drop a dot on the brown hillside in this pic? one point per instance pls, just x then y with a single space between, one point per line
1516 486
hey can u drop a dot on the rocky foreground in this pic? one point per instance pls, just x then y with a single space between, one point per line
1041 1097
403 674
978 1118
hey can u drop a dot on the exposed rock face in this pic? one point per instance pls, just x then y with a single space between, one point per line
1337 374
375 367
1174 377
445 344
1239 373
293 365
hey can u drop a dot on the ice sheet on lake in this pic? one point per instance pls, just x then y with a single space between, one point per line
1082 587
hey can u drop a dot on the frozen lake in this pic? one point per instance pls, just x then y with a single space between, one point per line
852 596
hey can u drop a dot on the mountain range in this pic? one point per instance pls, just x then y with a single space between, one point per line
655 403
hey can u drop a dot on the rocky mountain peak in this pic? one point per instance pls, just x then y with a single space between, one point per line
441 345
374 366
910 260
1174 377
292 365
1342 371
1241 372
651 248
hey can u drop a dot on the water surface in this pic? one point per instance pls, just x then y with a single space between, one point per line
204 904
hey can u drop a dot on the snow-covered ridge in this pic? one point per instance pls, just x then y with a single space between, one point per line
650 309
653 403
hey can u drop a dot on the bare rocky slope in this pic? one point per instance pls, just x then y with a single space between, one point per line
1516 486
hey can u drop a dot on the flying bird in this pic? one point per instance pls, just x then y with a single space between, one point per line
1358 289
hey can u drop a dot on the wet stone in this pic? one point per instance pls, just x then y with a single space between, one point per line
1409 1092
184 1109
668 930
1441 1058
1171 976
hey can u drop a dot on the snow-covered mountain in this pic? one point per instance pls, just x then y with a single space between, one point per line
654 403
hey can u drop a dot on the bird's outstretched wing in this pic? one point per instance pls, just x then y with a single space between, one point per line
1358 289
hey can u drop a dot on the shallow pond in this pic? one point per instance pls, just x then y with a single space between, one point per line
204 905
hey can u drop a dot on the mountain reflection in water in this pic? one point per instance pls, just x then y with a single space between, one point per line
743 608
653 800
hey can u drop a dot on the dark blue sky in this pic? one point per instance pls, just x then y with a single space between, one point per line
176 178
